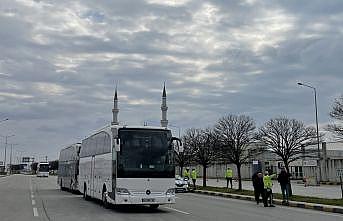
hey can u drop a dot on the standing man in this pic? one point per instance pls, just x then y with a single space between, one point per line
284 180
228 177
186 173
268 193
257 181
194 177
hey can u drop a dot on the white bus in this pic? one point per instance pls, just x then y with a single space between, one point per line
43 169
128 165
68 168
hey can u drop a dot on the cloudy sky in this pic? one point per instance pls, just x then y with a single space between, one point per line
59 61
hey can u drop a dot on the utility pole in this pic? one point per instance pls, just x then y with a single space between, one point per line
11 159
5 152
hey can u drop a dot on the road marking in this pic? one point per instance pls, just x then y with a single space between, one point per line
176 210
298 209
32 196
35 211
33 202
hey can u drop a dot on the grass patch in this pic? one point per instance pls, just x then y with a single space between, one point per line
307 199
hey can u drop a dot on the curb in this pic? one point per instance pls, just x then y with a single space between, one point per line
303 205
331 183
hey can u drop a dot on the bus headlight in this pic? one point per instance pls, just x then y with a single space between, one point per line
122 191
170 191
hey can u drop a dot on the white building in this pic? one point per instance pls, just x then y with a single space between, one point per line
331 160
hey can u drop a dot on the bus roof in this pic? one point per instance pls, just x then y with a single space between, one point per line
109 127
71 146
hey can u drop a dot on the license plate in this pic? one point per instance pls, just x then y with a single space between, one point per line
148 200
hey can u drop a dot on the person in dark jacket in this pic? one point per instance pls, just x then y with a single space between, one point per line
257 181
284 180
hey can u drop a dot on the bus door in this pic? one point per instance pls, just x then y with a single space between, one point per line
92 179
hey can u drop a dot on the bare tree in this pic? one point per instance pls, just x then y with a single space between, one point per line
183 159
337 114
287 138
202 144
235 134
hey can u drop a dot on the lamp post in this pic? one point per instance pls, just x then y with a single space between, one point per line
319 177
6 137
11 157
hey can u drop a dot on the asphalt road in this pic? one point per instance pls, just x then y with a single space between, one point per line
26 198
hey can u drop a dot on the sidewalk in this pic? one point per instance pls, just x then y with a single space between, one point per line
304 205
323 191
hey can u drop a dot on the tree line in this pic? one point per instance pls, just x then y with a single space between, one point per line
235 139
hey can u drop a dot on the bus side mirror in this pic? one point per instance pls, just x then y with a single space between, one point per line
117 144
179 146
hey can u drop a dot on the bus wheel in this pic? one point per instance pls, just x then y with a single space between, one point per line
85 192
154 206
104 199
61 185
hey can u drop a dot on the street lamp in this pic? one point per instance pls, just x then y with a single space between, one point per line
6 137
316 110
11 157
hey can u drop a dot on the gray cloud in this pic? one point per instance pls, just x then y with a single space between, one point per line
59 62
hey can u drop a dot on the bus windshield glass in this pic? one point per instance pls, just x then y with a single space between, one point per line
44 168
145 153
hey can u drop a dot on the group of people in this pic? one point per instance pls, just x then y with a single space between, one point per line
191 174
263 186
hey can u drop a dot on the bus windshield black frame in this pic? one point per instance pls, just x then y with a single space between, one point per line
145 153
44 168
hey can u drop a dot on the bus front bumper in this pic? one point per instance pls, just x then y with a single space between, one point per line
144 200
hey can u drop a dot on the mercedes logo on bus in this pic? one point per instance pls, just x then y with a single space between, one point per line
148 192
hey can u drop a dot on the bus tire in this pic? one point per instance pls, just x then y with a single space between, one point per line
61 185
154 206
85 192
104 199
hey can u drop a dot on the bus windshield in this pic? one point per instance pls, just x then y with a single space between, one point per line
44 168
145 153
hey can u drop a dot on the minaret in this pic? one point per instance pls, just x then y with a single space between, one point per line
115 109
164 108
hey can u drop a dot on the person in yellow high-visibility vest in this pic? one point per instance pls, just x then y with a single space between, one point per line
194 177
268 193
228 177
187 173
